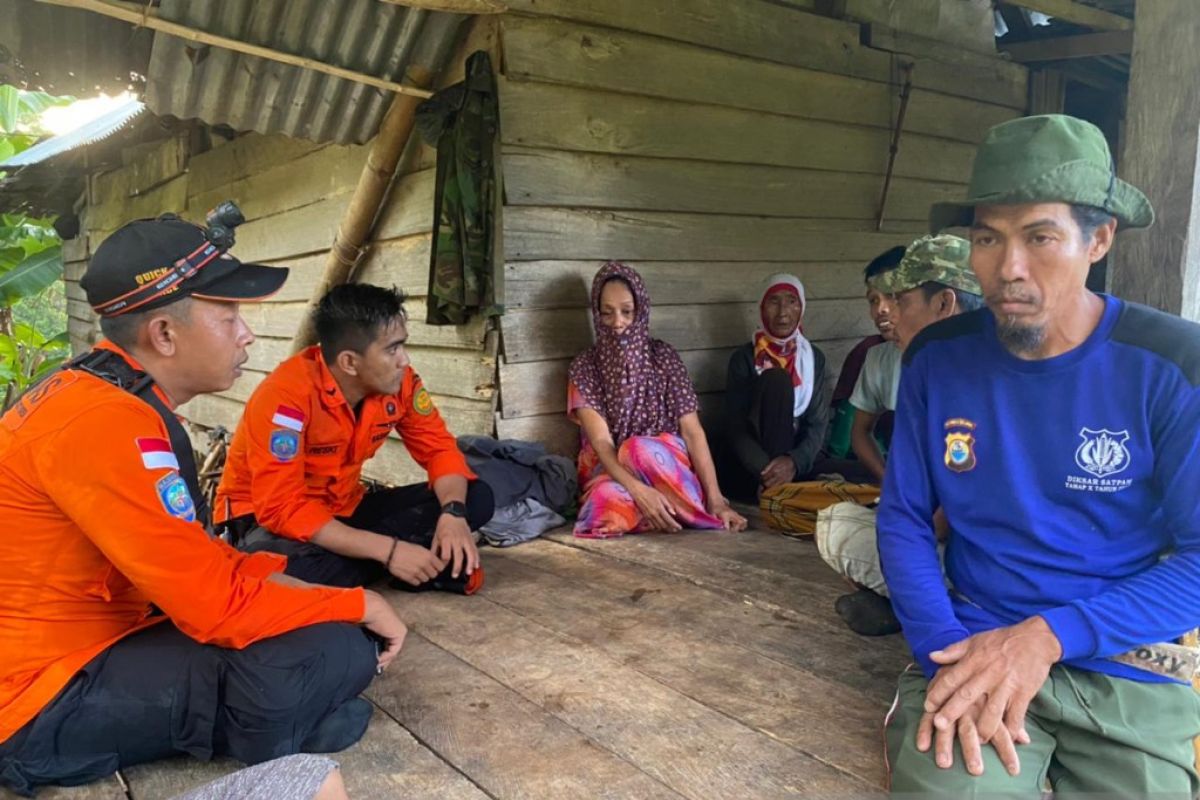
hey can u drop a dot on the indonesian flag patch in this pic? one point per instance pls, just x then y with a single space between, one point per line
156 453
290 418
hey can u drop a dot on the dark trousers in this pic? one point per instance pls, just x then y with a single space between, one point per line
157 694
409 513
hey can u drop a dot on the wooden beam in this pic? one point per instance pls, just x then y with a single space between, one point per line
1078 13
146 17
454 6
1161 266
1061 48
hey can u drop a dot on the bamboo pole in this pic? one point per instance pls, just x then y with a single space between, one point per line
146 17
394 133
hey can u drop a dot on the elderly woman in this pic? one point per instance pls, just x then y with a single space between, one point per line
644 463
775 407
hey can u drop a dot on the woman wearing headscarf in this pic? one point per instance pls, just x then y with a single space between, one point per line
775 407
644 462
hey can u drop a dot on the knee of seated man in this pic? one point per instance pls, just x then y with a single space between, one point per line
481 504
334 654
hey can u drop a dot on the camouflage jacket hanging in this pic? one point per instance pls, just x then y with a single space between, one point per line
463 123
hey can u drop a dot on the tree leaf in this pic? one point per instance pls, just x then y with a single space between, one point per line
32 275
10 108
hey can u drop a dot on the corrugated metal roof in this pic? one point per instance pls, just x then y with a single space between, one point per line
100 128
222 87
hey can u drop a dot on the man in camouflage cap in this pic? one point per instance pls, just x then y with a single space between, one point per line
932 282
939 267
1058 431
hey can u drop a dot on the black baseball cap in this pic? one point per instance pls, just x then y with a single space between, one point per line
150 263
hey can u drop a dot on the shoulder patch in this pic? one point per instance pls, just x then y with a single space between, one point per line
175 497
156 453
422 402
968 324
1171 338
284 444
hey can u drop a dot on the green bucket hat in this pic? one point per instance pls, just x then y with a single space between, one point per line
940 258
1052 158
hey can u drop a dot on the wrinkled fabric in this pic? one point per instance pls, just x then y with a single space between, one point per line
792 353
517 470
638 384
519 522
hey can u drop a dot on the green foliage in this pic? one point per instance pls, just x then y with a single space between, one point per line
32 302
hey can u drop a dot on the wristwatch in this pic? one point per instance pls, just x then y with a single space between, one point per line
455 509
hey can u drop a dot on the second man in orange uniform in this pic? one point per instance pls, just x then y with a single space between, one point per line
292 481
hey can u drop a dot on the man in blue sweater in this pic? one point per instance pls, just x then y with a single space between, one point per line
1060 432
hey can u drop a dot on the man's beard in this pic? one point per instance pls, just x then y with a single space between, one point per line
1020 339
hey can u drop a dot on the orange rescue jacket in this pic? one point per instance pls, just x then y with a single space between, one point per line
298 452
97 527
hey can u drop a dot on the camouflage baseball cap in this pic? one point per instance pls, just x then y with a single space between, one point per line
942 259
1052 158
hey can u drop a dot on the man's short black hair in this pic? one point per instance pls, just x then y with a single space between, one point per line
122 330
352 315
887 260
966 301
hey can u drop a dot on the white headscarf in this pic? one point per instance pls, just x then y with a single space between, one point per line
793 352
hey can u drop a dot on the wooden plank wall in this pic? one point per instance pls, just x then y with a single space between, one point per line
293 194
709 143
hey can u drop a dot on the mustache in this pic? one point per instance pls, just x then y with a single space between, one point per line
1010 295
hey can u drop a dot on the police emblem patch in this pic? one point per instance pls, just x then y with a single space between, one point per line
1103 452
175 497
284 444
422 402
960 445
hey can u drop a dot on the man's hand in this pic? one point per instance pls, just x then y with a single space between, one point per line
453 542
656 508
779 470
414 564
1002 668
966 730
380 619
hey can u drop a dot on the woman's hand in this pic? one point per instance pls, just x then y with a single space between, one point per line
719 507
656 508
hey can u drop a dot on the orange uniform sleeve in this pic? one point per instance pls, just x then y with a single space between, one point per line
129 506
425 434
275 453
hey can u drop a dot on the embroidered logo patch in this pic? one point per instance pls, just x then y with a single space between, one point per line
422 402
290 418
156 453
960 445
175 497
285 444
1103 452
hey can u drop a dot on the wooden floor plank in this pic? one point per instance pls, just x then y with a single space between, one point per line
700 660
507 745
761 567
869 666
386 762
697 751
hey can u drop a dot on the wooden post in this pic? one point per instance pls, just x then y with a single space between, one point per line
1161 266
369 195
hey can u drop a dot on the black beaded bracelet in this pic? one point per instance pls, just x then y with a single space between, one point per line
392 552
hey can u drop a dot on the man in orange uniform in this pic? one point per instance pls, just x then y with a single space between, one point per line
127 633
292 478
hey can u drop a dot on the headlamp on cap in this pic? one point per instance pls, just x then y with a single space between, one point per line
221 221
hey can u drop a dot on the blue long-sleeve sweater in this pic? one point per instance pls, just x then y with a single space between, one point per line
1071 484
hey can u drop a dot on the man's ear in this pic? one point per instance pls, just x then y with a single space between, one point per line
947 303
347 362
160 336
1102 241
